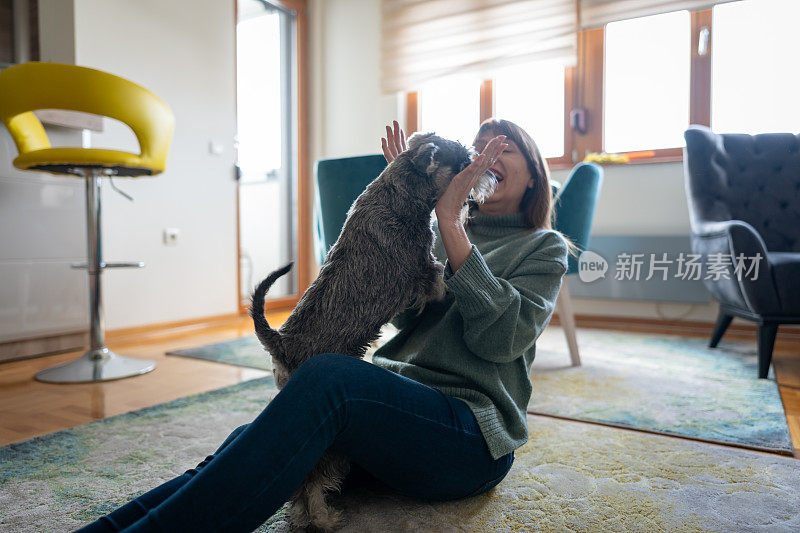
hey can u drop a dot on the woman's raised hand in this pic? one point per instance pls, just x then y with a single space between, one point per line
448 208
394 143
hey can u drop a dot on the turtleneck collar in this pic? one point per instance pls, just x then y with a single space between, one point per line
496 225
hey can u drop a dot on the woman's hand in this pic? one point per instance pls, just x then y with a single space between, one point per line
448 208
395 142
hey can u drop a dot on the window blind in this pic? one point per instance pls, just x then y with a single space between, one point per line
427 39
596 13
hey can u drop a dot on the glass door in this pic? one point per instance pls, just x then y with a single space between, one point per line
266 151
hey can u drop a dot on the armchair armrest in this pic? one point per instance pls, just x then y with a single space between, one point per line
735 237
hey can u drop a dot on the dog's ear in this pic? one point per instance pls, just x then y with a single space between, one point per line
419 138
424 158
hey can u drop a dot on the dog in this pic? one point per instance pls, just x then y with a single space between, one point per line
380 265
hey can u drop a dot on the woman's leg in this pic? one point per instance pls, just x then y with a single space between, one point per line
408 435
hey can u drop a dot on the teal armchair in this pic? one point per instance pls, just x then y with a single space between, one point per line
337 184
573 214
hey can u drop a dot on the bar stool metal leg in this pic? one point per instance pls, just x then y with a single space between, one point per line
98 363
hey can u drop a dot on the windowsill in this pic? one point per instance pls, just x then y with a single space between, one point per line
640 161
646 161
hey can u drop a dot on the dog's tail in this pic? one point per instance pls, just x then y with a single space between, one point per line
270 338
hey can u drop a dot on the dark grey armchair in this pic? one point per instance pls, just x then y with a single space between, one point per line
744 198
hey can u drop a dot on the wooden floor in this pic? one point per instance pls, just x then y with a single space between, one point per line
29 408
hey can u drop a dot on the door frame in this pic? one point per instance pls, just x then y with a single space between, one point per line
303 183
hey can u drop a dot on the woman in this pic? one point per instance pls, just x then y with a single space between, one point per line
442 409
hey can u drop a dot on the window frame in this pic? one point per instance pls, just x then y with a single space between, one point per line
583 88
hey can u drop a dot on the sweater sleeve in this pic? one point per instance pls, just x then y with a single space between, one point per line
504 317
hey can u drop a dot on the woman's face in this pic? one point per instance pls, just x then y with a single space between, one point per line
513 178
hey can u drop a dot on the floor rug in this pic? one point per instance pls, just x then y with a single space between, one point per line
666 384
569 476
244 351
660 383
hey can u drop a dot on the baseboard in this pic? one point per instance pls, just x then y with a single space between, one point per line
51 344
273 304
167 329
786 332
45 345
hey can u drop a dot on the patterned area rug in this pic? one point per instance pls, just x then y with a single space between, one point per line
659 383
667 384
570 476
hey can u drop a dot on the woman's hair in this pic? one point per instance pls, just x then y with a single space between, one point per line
537 202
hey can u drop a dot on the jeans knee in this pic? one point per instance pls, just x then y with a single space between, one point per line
235 432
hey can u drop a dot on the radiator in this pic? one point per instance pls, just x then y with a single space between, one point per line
671 289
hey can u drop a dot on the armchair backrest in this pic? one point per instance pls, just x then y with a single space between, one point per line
574 205
338 182
753 178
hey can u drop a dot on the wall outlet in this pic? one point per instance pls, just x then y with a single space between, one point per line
171 236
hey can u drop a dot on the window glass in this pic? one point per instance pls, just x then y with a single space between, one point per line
258 95
754 77
532 96
451 108
646 88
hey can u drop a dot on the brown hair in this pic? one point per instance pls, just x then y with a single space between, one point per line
537 202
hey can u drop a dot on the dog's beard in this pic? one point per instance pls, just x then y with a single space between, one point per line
484 187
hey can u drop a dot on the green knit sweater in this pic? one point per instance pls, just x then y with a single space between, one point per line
478 344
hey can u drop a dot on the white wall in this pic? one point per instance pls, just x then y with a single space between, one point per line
349 113
183 51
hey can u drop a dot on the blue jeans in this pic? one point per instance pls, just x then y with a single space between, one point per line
394 430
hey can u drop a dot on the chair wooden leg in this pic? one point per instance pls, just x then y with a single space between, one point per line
567 317
723 321
766 341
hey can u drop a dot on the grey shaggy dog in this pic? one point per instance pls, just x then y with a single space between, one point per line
380 265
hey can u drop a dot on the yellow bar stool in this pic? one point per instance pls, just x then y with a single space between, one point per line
31 86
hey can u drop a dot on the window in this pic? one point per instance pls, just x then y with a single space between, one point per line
532 96
451 108
646 93
754 79
642 81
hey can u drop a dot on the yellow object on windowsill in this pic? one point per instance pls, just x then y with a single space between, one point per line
603 157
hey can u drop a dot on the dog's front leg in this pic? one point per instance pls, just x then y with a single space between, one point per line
436 288
430 286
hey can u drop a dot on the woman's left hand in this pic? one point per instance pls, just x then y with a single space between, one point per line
448 208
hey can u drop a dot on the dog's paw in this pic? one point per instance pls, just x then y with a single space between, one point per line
325 521
439 290
299 518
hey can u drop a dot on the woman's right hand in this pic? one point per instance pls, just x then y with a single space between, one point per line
395 142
